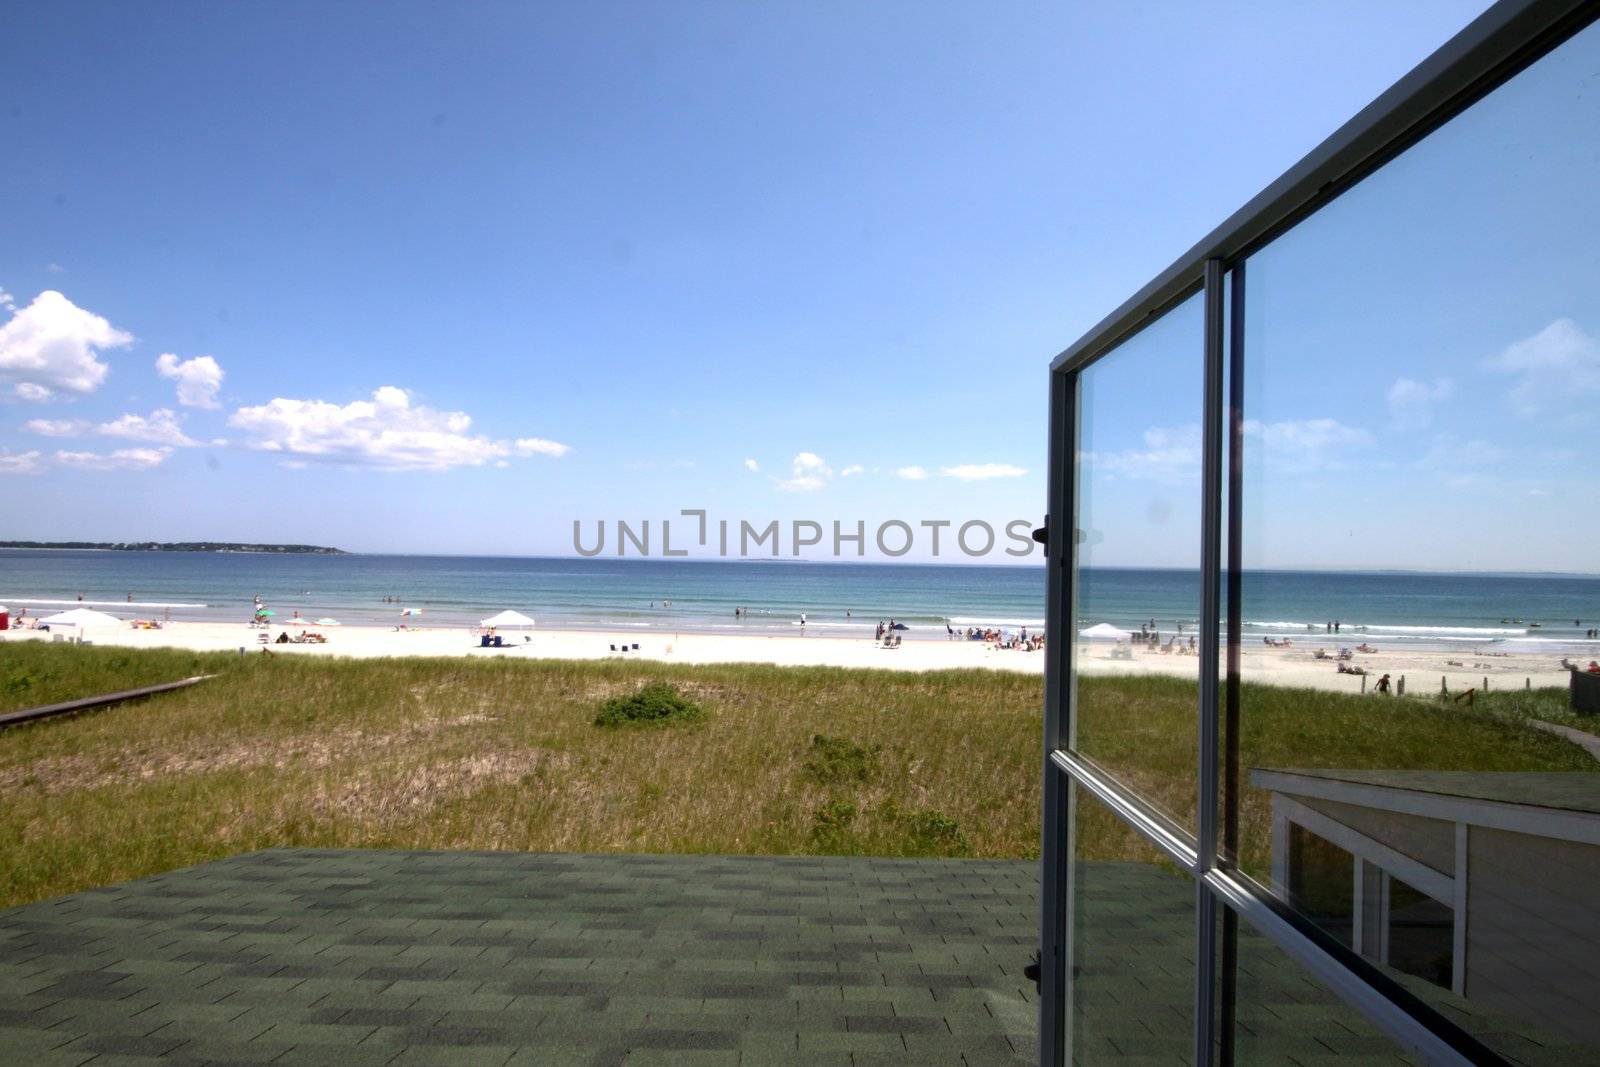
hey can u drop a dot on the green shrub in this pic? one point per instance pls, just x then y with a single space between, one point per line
653 705
839 759
924 832
831 825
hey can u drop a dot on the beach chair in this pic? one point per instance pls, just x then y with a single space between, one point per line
613 648
636 648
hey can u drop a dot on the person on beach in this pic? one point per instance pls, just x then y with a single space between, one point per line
80 597
1383 685
950 631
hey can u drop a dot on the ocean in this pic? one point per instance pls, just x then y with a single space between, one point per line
621 595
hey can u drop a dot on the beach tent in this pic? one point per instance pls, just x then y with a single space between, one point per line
507 618
1104 632
81 618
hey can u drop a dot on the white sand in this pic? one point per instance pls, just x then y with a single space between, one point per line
1289 667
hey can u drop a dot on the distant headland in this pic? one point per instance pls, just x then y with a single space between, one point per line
177 546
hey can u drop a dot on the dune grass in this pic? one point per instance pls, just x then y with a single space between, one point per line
35 674
1142 729
504 754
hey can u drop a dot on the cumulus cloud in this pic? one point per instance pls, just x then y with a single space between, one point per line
199 379
159 427
752 466
1307 437
388 432
1169 454
977 472
51 347
809 472
538 446
56 427
19 462
911 474
123 459
7 301
1411 402
1556 364
852 470
1172 454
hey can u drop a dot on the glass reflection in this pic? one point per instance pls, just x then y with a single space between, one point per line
1132 985
1420 366
1138 584
1274 1012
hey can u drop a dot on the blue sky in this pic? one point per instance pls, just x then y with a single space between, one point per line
587 261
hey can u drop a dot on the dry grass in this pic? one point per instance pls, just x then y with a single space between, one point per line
491 754
498 754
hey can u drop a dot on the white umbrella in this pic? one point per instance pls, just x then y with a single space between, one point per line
81 617
508 618
1104 632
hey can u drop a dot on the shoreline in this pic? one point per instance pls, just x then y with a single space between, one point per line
1296 668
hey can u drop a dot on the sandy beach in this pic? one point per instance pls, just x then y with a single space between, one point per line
1423 670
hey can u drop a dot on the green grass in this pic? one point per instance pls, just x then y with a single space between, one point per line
35 674
500 754
1142 729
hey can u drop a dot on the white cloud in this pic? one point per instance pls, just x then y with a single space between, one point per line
159 427
123 459
1172 454
1553 366
199 379
50 347
56 268
976 472
752 466
538 446
1411 402
852 470
809 473
56 427
1305 445
1169 454
387 431
19 462
911 474
7 301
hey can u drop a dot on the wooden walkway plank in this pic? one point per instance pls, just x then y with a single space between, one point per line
15 718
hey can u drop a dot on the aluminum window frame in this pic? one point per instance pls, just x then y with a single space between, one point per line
1505 40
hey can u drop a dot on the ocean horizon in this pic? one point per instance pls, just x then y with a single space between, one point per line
838 598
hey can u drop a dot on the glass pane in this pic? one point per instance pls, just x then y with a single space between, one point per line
1280 1014
1133 934
1138 582
1422 392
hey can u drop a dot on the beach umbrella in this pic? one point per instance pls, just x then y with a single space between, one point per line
507 618
1104 632
81 617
